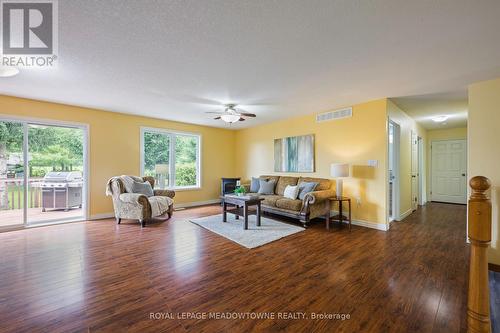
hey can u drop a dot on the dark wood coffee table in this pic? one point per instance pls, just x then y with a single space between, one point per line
243 206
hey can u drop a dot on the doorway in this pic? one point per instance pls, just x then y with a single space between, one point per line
421 175
449 171
416 171
43 169
393 170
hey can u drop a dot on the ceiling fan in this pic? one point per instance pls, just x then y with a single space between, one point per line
231 114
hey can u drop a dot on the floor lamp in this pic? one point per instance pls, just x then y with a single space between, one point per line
339 171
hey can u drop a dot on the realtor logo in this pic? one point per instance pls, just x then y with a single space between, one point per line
29 33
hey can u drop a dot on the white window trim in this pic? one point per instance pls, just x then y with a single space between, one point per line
173 133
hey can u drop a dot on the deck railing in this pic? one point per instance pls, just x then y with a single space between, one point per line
479 220
14 189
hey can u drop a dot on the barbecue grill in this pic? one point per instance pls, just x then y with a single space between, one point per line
62 190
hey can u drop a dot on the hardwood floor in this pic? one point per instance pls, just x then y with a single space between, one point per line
102 277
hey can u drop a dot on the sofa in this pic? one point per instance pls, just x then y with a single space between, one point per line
315 204
137 206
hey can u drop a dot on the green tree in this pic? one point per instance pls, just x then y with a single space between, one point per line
185 160
57 157
185 149
156 151
56 148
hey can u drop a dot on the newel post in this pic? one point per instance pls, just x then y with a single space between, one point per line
478 302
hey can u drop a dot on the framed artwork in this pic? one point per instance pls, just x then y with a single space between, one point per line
294 154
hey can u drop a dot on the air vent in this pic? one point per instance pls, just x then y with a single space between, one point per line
334 115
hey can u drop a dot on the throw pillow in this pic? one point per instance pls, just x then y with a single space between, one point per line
143 188
291 192
306 187
255 185
266 186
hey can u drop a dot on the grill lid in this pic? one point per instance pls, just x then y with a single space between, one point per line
63 176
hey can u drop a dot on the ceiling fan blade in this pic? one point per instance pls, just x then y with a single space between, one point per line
241 119
217 118
246 114
214 112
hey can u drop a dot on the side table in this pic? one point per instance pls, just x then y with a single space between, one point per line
340 217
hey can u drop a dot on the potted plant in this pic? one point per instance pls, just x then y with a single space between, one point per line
240 191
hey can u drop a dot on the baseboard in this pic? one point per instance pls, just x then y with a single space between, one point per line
366 224
494 267
196 203
372 225
405 214
102 216
180 205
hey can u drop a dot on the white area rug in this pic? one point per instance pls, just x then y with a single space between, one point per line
269 231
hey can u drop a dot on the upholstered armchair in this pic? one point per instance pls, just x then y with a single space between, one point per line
137 206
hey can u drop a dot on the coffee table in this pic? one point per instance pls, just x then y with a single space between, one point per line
245 205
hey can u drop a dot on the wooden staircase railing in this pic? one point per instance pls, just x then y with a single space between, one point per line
479 219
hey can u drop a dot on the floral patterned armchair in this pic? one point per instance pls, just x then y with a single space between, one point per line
129 205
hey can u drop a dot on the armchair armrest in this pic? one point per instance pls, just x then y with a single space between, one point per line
164 193
318 196
134 198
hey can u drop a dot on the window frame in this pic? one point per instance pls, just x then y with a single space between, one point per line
171 163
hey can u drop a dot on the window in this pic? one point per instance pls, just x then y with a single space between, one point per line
172 158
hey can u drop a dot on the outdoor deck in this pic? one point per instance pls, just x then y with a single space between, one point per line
15 216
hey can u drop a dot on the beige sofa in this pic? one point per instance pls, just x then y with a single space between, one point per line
314 204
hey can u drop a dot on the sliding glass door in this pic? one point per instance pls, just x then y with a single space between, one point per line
56 169
42 173
11 174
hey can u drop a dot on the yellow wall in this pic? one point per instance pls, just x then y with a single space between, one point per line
441 134
484 147
115 146
352 140
407 125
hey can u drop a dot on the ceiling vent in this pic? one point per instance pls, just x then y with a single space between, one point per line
334 115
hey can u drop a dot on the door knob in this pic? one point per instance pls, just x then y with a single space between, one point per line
463 175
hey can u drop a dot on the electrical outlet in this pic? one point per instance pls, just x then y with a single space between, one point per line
358 201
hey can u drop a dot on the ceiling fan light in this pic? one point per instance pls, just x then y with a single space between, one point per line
440 119
230 118
8 71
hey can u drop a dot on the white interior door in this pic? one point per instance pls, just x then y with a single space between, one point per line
449 171
414 171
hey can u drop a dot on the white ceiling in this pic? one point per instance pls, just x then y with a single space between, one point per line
423 108
174 59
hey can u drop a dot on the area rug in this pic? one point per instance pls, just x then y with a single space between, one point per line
269 231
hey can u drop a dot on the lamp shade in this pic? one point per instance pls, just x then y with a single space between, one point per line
161 169
339 170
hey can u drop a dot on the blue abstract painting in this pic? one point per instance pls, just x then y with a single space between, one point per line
294 154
